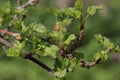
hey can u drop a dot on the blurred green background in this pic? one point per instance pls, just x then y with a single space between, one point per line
106 22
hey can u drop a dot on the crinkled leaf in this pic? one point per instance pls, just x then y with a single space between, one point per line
17 24
97 56
99 37
54 34
69 39
20 11
62 34
13 52
71 12
60 73
78 5
61 63
24 28
105 41
102 54
6 8
51 51
19 45
117 48
73 63
92 10
67 21
38 28
63 14
105 56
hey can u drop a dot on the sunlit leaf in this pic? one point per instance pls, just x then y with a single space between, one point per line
117 48
97 56
6 8
40 28
13 52
19 45
60 73
61 63
78 5
51 51
92 10
105 55
20 11
73 63
105 41
69 39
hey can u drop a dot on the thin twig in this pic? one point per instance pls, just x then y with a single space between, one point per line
6 32
29 56
38 62
89 64
30 3
81 34
47 40
23 17
76 43
6 42
16 35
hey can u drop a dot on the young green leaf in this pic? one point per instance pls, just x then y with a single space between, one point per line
71 12
13 52
78 5
19 45
97 56
51 51
24 28
92 10
60 73
69 39
67 21
61 63
16 49
6 8
63 14
117 48
104 55
105 41
40 28
20 11
73 63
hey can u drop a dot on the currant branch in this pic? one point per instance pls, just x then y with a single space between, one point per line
59 44
29 56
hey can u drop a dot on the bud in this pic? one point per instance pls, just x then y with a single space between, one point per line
57 28
17 36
